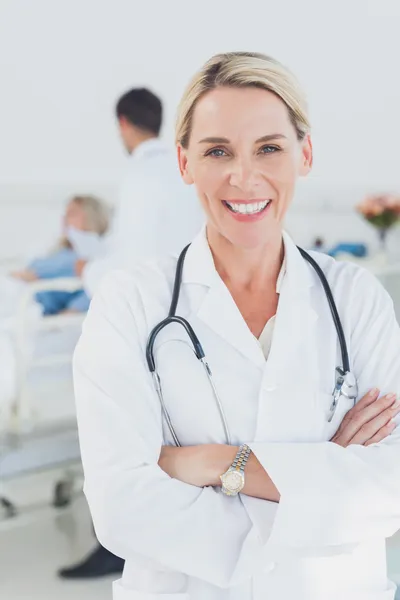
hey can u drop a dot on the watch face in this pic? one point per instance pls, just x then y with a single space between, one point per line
233 481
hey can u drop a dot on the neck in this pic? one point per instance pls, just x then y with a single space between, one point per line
139 138
243 268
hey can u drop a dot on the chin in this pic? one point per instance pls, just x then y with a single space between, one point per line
250 238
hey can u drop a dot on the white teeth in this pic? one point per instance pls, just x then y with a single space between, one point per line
248 209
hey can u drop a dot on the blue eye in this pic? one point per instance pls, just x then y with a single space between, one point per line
269 149
217 152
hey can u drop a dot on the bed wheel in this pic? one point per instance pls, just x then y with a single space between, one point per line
63 492
7 508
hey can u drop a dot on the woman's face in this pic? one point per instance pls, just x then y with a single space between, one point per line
244 159
75 217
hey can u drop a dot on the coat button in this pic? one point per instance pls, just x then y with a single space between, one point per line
270 388
270 567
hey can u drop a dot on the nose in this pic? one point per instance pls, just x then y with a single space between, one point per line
244 174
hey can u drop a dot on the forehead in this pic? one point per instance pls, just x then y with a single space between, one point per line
229 111
73 207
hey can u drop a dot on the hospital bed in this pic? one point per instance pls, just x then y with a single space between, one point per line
38 429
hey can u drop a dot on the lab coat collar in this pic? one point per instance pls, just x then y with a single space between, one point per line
218 310
199 264
148 148
294 340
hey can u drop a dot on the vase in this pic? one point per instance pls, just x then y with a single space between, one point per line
382 253
383 235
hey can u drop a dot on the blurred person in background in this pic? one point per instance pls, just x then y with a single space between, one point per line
84 224
156 214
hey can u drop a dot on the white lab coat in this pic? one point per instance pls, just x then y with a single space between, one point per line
156 213
325 540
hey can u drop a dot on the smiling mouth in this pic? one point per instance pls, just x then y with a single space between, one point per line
250 208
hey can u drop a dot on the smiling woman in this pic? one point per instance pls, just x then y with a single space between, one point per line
306 492
243 140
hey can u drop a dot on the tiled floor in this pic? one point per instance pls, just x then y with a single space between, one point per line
32 552
40 541
34 546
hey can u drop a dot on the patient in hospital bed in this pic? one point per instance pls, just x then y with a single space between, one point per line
84 226
85 223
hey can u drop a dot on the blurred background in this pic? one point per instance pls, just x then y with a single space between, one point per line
63 66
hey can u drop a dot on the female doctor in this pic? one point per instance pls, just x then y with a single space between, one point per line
319 476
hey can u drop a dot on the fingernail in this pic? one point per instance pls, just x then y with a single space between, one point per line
391 396
396 404
374 392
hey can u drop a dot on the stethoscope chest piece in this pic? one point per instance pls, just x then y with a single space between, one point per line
345 385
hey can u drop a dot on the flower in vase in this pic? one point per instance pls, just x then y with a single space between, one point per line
381 210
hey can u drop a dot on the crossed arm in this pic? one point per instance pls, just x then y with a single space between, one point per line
138 490
369 422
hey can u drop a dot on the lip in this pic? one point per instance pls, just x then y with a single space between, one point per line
251 201
247 218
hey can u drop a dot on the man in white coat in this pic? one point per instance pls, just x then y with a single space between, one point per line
156 215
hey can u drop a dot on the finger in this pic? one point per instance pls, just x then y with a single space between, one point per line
382 434
357 420
366 400
350 431
365 410
369 429
379 406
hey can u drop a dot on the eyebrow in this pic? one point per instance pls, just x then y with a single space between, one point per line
264 138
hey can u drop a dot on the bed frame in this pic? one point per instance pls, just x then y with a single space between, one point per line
27 443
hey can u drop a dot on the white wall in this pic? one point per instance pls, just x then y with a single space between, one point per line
64 63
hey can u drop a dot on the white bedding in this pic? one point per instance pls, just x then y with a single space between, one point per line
44 337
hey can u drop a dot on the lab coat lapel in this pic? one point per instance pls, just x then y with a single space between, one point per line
220 313
294 345
287 396
217 309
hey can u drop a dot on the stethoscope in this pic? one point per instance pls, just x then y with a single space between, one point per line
345 381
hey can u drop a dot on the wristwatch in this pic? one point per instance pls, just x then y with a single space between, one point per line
233 479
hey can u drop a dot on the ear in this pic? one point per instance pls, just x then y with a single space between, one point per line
306 158
183 165
123 122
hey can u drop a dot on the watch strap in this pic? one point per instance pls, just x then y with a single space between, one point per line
241 459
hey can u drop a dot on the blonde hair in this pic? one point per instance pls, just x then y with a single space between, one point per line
97 215
96 212
243 69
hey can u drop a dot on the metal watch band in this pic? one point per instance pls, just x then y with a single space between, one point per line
241 459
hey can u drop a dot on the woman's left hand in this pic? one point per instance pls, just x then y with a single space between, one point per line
197 465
